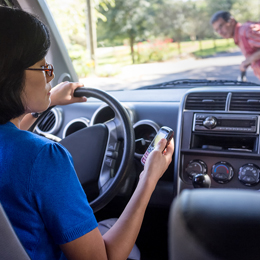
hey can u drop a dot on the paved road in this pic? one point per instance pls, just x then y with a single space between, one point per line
223 66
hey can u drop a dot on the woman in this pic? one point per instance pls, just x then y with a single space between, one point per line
39 189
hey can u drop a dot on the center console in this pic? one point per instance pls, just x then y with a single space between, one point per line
222 146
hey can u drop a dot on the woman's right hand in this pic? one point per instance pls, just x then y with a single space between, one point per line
158 161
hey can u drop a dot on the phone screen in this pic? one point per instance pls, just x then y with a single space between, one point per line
161 134
164 132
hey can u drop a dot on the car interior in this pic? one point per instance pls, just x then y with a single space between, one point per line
205 206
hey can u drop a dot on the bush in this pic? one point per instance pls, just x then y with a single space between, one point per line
157 50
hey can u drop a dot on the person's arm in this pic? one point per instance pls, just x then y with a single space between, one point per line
118 242
249 60
27 121
62 94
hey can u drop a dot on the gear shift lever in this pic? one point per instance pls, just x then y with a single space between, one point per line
201 181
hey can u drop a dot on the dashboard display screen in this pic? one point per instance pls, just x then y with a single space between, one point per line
236 123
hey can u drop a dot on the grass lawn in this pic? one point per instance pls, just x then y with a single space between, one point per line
111 60
210 47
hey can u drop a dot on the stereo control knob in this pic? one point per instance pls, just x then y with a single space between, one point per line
195 167
222 172
249 174
210 122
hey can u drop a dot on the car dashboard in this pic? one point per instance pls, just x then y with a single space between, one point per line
216 136
216 130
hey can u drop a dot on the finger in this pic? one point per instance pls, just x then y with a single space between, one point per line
161 145
83 99
79 99
79 85
73 86
170 148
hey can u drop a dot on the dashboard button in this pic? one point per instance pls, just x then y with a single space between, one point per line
222 172
195 167
249 174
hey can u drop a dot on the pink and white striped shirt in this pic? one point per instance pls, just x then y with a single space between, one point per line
247 37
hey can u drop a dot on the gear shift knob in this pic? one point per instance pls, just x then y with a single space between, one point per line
201 181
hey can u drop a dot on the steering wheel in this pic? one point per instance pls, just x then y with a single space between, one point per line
102 154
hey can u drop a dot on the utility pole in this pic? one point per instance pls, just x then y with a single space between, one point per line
91 34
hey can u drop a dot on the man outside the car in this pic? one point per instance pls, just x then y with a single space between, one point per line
246 36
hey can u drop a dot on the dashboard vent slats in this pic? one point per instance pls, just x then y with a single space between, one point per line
206 101
51 122
245 102
48 122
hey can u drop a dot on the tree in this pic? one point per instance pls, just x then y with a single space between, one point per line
126 20
170 20
197 25
240 9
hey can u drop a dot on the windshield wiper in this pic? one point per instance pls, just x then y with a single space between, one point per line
199 82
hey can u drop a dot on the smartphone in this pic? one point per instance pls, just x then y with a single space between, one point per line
164 132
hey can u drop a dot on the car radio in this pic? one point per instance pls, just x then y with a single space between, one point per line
225 123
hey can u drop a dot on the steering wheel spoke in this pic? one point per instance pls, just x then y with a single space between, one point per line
111 154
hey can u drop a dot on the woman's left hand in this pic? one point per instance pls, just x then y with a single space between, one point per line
62 94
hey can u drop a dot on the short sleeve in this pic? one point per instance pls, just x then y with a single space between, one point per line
57 192
253 35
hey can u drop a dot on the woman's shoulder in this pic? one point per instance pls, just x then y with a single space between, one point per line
34 140
30 145
43 144
27 140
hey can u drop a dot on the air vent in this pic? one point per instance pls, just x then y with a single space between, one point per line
51 122
145 131
206 101
105 113
245 102
75 125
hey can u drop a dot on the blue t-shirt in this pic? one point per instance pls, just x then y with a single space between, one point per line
41 193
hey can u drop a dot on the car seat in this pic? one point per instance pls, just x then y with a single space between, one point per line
10 246
211 224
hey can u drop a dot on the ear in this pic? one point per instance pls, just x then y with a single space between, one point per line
232 21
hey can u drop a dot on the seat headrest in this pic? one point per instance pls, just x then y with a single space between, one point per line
215 224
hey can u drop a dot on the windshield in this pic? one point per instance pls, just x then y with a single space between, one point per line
119 44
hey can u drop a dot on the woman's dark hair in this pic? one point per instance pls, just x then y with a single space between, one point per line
24 40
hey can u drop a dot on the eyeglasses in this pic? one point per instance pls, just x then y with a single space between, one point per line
48 68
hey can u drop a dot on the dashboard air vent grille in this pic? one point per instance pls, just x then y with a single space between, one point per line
245 102
206 101
50 122
47 122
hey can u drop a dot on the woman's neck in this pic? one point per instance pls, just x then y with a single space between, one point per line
17 121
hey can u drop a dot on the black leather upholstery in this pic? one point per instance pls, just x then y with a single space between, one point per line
207 224
10 246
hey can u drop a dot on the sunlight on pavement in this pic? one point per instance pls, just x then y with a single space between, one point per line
225 66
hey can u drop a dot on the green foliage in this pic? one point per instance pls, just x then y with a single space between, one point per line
210 48
126 19
241 10
157 50
111 62
128 22
70 18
